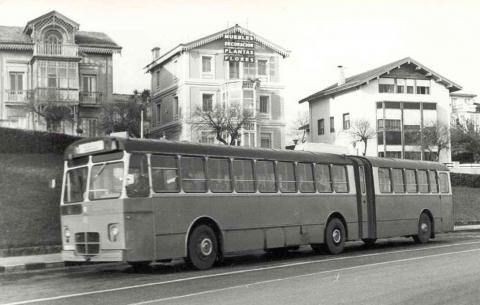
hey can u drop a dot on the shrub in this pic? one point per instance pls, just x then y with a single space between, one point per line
27 141
467 180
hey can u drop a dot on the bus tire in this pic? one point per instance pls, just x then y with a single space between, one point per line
424 230
202 248
335 236
369 242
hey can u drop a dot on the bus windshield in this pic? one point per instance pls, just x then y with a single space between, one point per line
106 181
75 185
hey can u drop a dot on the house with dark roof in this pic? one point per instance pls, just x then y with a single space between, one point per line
398 105
54 76
232 66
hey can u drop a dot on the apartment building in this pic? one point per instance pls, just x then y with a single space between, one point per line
399 100
233 66
49 62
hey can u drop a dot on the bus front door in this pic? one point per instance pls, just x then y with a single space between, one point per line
365 199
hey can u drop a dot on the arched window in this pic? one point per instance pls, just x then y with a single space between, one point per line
53 43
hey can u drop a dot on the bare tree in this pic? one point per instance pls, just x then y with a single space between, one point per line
298 127
121 115
435 138
362 131
224 122
53 113
465 138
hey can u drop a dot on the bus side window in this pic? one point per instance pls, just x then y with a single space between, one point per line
432 178
322 176
243 175
193 175
443 182
340 182
138 168
305 178
422 181
411 180
398 181
286 177
265 174
219 175
164 174
384 180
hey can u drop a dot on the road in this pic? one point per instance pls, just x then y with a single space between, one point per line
396 271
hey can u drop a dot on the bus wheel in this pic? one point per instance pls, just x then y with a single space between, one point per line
424 229
369 241
335 236
202 248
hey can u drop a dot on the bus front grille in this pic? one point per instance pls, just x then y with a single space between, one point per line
87 243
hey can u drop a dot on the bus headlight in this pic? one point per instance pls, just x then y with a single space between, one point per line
67 234
113 231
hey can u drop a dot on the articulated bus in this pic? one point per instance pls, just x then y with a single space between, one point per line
142 201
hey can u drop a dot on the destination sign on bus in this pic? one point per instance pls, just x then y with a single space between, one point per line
89 147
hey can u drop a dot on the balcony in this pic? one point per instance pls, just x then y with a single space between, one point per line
16 97
54 95
91 98
56 50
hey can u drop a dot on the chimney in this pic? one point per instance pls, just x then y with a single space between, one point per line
341 75
155 53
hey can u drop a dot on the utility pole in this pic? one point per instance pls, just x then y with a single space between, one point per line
141 124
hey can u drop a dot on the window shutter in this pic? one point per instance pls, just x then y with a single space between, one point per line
273 67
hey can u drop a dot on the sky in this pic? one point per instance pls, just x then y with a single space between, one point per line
360 35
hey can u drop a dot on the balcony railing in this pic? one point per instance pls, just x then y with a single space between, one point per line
16 96
54 95
52 49
91 98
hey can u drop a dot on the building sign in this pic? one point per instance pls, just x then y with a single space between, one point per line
239 47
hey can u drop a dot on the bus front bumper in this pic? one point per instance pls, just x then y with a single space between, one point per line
103 256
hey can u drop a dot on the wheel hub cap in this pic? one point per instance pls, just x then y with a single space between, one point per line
424 227
206 246
337 236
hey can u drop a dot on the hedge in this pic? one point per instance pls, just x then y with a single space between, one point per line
467 180
26 141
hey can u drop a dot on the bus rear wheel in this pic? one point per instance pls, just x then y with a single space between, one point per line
335 236
424 229
202 248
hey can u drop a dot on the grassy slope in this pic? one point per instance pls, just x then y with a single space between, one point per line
466 203
29 213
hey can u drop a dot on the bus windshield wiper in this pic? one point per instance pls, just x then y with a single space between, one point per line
100 171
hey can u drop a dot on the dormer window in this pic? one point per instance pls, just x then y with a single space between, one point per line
53 43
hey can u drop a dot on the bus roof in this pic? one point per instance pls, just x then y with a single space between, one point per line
171 147
402 163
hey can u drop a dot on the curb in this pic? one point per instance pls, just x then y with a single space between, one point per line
466 227
31 267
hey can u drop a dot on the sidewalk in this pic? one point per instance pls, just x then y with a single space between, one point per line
50 261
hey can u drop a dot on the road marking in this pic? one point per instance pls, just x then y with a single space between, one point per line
278 266
296 277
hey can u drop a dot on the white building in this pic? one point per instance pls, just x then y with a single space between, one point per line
465 109
233 66
398 100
